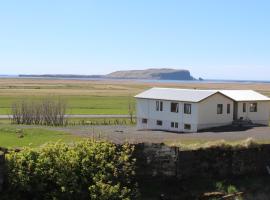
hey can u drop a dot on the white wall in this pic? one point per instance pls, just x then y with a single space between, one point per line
259 117
146 108
207 112
142 111
204 114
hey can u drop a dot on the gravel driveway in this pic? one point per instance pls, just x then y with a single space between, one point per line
120 134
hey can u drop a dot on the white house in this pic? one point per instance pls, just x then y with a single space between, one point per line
190 110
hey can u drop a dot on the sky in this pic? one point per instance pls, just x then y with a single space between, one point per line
214 39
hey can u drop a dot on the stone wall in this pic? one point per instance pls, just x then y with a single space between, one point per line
2 162
216 162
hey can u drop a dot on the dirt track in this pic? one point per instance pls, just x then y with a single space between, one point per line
120 134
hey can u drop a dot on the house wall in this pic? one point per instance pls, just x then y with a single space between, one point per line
142 111
259 117
207 112
146 108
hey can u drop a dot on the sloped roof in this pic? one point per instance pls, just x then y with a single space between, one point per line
176 94
244 95
193 95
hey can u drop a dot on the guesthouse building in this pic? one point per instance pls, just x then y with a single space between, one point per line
191 110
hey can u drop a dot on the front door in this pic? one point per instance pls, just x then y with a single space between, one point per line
235 111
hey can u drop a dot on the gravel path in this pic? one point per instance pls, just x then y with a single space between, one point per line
120 134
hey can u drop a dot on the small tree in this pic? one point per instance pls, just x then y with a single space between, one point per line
131 110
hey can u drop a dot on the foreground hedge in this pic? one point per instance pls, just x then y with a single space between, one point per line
88 170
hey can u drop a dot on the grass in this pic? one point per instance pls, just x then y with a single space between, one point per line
79 104
16 136
96 97
193 144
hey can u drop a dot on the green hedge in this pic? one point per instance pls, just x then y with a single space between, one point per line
90 169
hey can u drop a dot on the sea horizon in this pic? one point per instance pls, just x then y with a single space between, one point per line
139 80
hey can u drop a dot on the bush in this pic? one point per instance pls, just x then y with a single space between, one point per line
87 170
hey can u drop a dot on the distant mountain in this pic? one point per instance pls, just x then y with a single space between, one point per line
59 76
159 74
154 74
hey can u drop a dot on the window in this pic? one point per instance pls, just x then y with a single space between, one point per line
174 107
187 126
187 108
219 109
174 124
159 122
244 107
228 108
144 121
253 107
159 105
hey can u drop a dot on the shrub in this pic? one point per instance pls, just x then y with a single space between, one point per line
88 170
231 189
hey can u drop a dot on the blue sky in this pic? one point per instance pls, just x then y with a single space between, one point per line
221 39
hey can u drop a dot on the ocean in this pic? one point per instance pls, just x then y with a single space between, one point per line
143 80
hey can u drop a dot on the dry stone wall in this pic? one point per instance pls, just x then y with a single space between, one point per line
218 162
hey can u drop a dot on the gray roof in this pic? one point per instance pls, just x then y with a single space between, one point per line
244 95
193 95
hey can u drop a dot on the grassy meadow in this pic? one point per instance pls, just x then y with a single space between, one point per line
82 97
95 97
15 136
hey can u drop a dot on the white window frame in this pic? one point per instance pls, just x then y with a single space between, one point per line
185 126
219 109
253 107
160 123
187 108
174 125
159 105
177 107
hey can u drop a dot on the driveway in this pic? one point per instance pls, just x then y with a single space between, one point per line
120 134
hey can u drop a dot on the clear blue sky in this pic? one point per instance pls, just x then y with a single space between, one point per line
223 39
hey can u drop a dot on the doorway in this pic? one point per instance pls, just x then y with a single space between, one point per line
235 111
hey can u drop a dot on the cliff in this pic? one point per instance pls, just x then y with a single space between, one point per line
159 74
154 74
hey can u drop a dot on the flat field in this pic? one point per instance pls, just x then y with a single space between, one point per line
96 97
19 136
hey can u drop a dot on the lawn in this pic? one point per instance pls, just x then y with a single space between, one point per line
16 136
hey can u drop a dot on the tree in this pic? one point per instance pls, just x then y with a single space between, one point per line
131 109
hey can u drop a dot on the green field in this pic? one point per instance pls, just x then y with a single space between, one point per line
13 136
81 97
79 104
95 97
